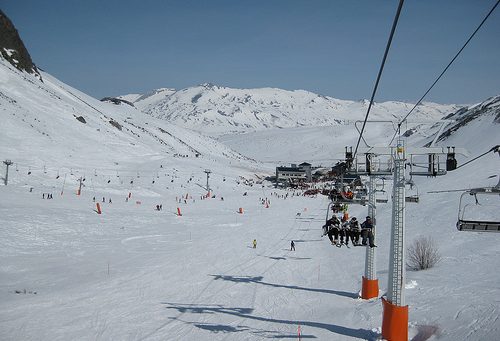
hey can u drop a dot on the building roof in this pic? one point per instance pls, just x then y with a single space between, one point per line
290 169
305 164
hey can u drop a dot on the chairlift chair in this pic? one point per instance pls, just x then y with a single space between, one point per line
355 195
413 193
479 225
385 197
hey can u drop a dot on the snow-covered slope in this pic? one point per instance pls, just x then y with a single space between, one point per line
148 99
486 113
220 110
51 124
323 145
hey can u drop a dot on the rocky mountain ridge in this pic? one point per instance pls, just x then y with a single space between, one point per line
12 47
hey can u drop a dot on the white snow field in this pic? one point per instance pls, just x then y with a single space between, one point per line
135 273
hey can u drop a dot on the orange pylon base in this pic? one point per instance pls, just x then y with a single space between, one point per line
369 288
179 212
394 322
240 211
98 206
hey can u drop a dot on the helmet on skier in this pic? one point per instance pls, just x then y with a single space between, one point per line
368 217
353 219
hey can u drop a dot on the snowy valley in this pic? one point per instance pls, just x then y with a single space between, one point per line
189 271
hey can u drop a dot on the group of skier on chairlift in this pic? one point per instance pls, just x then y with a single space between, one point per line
346 229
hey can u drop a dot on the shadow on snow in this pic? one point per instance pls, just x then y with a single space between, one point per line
247 313
259 280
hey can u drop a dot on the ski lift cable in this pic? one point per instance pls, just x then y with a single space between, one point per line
104 172
495 149
449 191
387 47
445 69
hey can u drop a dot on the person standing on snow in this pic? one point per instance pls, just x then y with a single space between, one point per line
292 246
255 243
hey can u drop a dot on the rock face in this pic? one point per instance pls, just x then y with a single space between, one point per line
116 101
12 47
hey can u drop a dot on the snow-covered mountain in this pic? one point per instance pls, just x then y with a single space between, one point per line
59 124
488 110
220 110
149 98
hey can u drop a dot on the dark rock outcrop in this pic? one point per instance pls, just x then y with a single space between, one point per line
116 101
12 47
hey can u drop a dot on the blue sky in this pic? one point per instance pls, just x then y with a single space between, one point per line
108 48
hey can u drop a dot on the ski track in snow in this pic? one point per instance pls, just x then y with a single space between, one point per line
270 251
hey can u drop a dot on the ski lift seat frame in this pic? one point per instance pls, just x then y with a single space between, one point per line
412 198
477 225
353 201
432 173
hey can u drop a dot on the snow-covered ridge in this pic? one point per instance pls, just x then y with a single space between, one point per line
50 123
221 110
149 98
464 116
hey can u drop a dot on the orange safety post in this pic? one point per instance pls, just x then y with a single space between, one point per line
240 211
78 191
98 208
394 321
179 212
369 288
